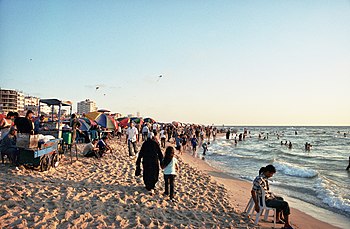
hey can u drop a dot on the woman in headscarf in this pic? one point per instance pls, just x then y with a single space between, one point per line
151 156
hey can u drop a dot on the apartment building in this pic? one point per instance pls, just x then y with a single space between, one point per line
11 100
86 106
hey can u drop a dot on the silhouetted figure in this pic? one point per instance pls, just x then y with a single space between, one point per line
228 134
347 168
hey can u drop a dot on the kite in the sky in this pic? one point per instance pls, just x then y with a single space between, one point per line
159 77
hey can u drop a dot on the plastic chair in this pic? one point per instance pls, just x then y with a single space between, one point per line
249 209
263 207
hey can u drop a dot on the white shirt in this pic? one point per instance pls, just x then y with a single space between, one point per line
155 126
170 169
162 135
88 147
132 134
145 129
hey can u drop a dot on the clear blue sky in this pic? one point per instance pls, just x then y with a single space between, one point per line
232 62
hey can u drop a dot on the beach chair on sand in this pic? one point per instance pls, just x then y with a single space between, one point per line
249 209
263 207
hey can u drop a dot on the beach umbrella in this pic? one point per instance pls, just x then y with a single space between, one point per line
175 123
105 121
93 115
150 120
83 125
89 121
103 110
136 120
115 122
120 119
124 122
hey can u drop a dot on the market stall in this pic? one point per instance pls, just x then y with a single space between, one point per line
42 149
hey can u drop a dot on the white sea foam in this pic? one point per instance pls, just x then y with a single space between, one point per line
331 195
294 170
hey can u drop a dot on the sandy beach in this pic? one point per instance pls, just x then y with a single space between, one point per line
104 193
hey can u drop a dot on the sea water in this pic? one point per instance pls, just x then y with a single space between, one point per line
316 177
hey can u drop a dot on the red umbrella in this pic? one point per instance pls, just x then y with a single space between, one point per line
124 122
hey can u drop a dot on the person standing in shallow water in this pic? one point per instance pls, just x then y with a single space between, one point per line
347 168
151 156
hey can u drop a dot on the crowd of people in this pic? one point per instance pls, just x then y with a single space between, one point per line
145 143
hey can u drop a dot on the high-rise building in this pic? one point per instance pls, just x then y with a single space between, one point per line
86 106
11 100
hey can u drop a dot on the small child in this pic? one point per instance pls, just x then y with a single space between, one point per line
169 166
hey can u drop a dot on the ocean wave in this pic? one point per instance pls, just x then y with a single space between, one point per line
331 194
294 170
248 178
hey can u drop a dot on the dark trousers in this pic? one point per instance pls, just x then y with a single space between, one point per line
162 142
144 136
92 154
169 181
13 155
279 204
133 144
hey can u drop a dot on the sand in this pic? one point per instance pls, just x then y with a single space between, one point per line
104 193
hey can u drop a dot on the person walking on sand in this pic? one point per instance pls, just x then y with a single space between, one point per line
169 166
75 124
162 137
194 143
178 141
261 182
151 156
132 134
145 131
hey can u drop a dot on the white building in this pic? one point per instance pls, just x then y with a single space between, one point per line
20 101
11 100
31 103
86 106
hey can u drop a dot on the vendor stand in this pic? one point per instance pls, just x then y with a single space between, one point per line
44 152
54 126
43 155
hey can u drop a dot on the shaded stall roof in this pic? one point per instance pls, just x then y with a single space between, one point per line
55 102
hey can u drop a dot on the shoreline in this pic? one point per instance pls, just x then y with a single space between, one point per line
239 193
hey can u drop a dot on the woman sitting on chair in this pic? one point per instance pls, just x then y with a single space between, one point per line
261 182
